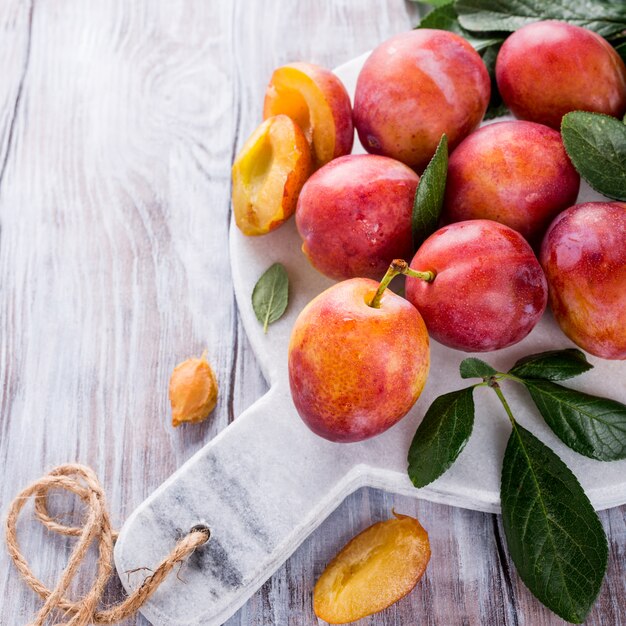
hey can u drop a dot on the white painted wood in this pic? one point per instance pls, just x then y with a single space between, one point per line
114 213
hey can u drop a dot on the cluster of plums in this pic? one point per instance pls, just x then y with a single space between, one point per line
356 369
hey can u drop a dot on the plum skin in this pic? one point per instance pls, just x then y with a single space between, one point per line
547 69
354 370
413 88
489 290
584 257
354 216
516 173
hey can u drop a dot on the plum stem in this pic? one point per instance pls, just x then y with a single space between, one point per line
398 266
493 383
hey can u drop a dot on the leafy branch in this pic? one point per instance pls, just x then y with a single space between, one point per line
554 536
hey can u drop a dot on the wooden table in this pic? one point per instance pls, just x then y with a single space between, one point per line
119 120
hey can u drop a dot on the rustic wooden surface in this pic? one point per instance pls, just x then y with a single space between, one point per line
118 123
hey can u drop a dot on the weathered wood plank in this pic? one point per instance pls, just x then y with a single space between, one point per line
118 124
15 36
113 259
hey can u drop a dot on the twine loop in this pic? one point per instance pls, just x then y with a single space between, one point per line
82 482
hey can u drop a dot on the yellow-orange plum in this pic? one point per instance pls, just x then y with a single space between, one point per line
584 257
415 87
356 370
318 102
268 174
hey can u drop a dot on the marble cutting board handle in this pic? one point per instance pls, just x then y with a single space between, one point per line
261 488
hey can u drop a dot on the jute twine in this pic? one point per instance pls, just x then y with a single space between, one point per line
82 482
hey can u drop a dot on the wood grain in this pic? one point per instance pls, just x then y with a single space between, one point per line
118 124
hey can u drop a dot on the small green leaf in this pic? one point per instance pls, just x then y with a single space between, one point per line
444 17
441 436
552 365
554 536
429 195
489 56
496 110
271 295
606 17
475 368
592 426
596 145
433 3
496 107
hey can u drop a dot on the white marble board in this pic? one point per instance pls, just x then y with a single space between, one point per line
266 482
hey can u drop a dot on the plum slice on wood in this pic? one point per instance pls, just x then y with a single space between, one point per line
374 570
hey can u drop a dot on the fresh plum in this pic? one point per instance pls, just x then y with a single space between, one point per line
584 257
488 291
516 173
354 215
356 369
547 69
415 87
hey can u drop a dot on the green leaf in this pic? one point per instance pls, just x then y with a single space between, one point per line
433 3
554 536
429 195
606 17
445 17
475 368
592 426
489 56
621 50
441 436
496 107
596 145
618 38
496 110
552 365
271 295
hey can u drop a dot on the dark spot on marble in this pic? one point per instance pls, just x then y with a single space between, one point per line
212 559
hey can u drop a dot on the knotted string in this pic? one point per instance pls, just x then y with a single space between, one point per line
82 482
